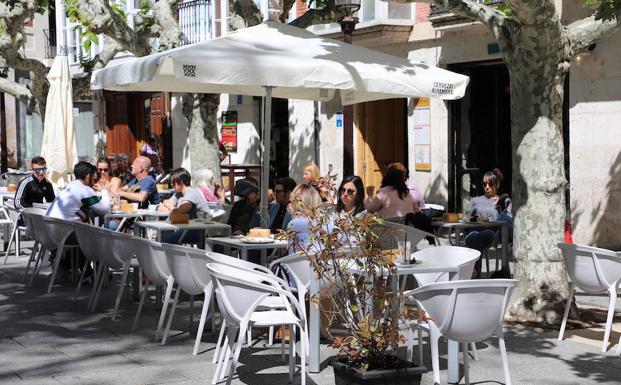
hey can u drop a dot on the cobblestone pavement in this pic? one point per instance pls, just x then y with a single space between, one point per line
52 339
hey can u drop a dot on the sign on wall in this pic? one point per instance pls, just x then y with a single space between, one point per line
229 130
422 134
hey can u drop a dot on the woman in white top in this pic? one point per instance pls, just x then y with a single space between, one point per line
393 199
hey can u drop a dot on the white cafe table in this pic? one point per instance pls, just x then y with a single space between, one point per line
243 247
418 267
455 230
206 227
140 214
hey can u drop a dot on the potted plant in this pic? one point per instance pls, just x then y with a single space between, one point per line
358 293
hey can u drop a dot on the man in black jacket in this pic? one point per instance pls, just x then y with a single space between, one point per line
34 188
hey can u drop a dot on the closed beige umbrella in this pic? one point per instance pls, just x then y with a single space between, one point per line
59 143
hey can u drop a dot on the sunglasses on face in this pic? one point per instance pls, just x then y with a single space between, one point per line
103 169
349 191
40 170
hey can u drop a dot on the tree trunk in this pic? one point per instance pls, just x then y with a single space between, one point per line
538 179
201 112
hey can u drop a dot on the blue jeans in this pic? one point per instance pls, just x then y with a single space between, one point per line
480 240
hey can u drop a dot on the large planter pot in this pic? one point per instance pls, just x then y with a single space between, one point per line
400 372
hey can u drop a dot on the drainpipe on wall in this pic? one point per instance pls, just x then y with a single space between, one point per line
316 127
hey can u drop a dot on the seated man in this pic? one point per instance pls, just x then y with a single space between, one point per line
279 216
185 200
78 201
34 188
142 189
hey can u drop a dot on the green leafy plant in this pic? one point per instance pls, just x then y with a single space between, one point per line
358 286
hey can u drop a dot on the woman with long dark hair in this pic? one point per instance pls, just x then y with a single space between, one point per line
350 197
393 199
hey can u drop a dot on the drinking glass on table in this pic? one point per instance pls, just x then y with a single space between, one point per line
405 251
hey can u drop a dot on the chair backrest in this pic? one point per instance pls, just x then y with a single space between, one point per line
402 232
92 244
26 215
463 257
223 259
13 213
239 292
592 269
398 220
152 258
58 229
298 267
466 311
121 248
225 213
188 267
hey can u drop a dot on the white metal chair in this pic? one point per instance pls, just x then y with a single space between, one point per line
152 258
465 311
462 257
188 267
239 294
595 271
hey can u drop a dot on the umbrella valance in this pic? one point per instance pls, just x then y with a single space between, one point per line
295 62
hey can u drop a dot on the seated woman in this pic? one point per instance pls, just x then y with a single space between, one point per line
495 208
305 202
350 201
393 199
106 178
244 209
185 200
212 190
312 177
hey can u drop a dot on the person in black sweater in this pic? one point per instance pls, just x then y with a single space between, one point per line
34 188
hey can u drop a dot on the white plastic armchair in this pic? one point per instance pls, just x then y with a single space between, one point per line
402 232
595 271
465 311
152 259
240 293
27 214
93 247
188 268
462 257
10 217
56 232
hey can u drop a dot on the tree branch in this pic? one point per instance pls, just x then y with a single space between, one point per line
248 11
584 32
167 27
18 91
82 86
490 16
316 16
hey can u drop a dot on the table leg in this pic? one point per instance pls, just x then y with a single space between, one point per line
314 324
452 376
243 253
201 239
504 235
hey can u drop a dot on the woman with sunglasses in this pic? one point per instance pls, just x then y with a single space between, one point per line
350 201
105 178
490 206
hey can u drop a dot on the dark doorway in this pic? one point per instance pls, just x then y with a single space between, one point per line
279 156
479 132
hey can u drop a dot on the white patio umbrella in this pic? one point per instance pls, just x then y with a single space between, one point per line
277 60
59 143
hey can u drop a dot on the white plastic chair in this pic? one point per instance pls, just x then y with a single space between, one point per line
465 311
55 234
188 267
595 271
223 217
27 214
93 246
239 294
10 218
152 258
117 254
462 257
401 232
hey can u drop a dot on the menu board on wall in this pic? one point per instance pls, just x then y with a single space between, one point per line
229 131
422 134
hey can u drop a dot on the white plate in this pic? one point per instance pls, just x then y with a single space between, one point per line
256 240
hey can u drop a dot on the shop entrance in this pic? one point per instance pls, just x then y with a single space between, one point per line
480 132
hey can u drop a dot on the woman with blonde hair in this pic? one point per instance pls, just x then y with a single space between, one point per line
312 176
305 202
212 190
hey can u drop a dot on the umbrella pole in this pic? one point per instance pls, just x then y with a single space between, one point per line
265 174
